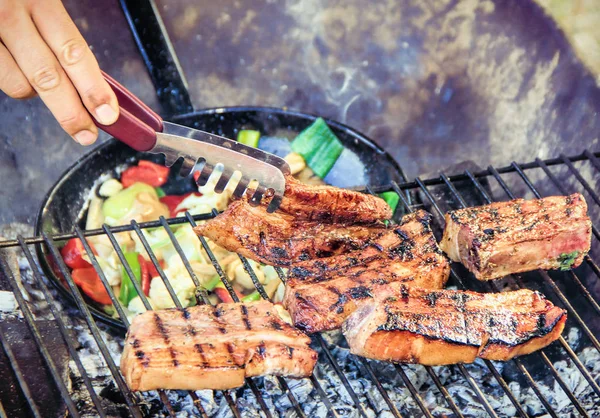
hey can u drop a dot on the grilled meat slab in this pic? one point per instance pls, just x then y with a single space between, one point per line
213 347
322 203
450 326
502 238
279 238
321 293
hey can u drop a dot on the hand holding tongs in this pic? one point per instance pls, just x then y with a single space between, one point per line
142 129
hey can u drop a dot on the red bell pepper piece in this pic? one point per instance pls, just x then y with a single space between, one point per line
172 201
146 172
72 254
148 272
145 274
224 295
88 281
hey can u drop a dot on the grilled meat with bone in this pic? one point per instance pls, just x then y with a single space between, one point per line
320 294
213 347
502 238
279 238
450 326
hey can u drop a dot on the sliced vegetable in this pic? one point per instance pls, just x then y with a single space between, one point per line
319 147
248 137
173 201
95 217
72 253
252 297
110 187
145 274
567 259
214 282
145 172
223 294
296 162
128 291
120 204
160 192
391 198
88 281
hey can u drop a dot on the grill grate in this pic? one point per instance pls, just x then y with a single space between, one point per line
569 289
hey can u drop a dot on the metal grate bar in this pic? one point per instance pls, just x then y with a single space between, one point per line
205 300
357 403
413 391
318 336
579 177
428 369
81 304
19 375
64 392
593 159
494 287
488 363
116 303
399 368
62 327
101 231
561 188
484 173
580 366
547 278
263 294
140 291
235 298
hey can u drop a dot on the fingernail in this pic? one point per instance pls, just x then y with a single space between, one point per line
105 114
85 137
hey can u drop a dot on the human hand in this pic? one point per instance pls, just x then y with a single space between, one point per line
42 52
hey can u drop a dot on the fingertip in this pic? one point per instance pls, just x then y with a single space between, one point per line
85 137
106 114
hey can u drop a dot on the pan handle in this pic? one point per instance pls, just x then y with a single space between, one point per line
137 123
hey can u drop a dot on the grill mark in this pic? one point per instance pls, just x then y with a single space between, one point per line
161 328
217 313
200 351
244 310
432 298
262 349
145 361
290 352
276 325
136 343
165 334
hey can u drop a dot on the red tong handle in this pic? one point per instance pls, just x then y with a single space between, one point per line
137 123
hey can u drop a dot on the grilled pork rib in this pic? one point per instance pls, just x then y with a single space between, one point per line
320 294
279 238
450 326
502 238
213 347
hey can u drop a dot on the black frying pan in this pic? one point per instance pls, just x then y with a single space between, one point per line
62 208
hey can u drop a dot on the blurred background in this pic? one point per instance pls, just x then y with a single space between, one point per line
436 83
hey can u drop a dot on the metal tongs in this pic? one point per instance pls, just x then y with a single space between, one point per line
142 129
